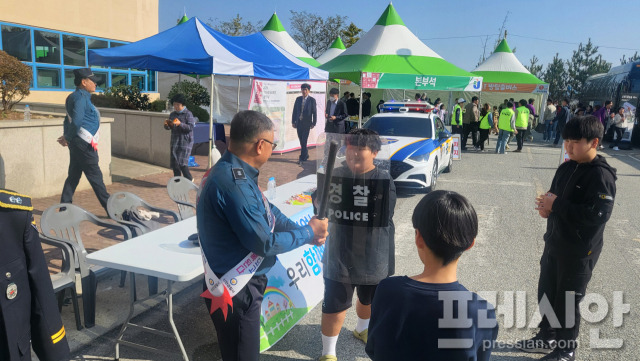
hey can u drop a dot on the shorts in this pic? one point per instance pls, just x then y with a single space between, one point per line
338 296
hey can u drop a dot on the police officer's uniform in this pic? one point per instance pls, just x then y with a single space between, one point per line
82 116
28 306
235 219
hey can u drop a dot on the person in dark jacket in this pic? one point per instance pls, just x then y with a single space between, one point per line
564 114
366 105
577 208
81 125
29 315
336 113
181 123
304 118
353 106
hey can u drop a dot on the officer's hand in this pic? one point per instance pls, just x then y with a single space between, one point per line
63 141
320 228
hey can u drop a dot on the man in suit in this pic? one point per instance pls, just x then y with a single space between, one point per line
305 116
29 315
336 113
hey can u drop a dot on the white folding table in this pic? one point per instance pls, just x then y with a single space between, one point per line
167 253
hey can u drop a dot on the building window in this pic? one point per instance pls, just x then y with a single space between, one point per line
102 80
17 42
47 47
137 80
151 81
68 79
119 79
48 78
94 44
74 50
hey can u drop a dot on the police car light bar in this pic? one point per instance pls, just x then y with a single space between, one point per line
407 107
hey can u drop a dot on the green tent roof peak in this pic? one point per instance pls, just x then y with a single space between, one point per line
184 19
338 44
503 47
274 24
390 17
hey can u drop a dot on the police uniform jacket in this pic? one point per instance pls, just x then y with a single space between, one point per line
233 219
28 306
81 113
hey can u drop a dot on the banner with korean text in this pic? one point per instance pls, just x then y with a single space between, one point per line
294 288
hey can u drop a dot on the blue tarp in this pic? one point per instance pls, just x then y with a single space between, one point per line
195 48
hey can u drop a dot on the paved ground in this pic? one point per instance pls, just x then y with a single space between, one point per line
504 259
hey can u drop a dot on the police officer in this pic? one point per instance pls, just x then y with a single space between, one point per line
81 136
235 219
28 307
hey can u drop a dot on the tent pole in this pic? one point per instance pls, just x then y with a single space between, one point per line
450 105
238 106
211 143
360 109
404 94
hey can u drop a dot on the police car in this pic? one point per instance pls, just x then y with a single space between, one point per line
419 145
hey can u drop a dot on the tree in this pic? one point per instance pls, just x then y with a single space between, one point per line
235 26
535 68
15 80
585 62
315 33
555 74
195 96
351 35
631 59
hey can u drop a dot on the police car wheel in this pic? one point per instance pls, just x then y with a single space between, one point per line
449 166
434 177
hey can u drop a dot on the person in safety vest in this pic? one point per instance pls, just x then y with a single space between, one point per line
522 122
506 126
456 117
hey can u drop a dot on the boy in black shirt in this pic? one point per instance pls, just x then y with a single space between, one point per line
408 317
359 254
577 208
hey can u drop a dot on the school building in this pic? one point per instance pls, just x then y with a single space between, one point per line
54 37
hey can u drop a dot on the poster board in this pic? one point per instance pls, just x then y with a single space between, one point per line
275 99
455 148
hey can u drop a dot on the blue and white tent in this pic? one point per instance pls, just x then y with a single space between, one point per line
195 48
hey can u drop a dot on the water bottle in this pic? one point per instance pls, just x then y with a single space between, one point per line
271 189
27 113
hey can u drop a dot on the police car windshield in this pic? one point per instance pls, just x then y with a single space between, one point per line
400 126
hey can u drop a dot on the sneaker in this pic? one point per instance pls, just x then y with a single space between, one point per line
560 355
328 358
517 151
616 148
362 335
536 344
476 148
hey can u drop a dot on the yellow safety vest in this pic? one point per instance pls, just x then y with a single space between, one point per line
484 122
455 121
504 122
522 120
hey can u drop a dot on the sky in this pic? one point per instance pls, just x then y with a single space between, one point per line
456 29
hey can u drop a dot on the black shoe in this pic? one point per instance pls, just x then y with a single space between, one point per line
537 344
560 355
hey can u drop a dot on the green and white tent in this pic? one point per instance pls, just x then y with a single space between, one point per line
503 73
275 32
336 48
390 56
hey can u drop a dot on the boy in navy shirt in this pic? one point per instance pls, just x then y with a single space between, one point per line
418 318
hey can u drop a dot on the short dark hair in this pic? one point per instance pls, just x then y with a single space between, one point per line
247 125
512 100
531 100
352 95
346 93
474 98
566 100
178 98
447 222
549 100
588 127
607 102
363 137
305 86
334 91
509 104
522 102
